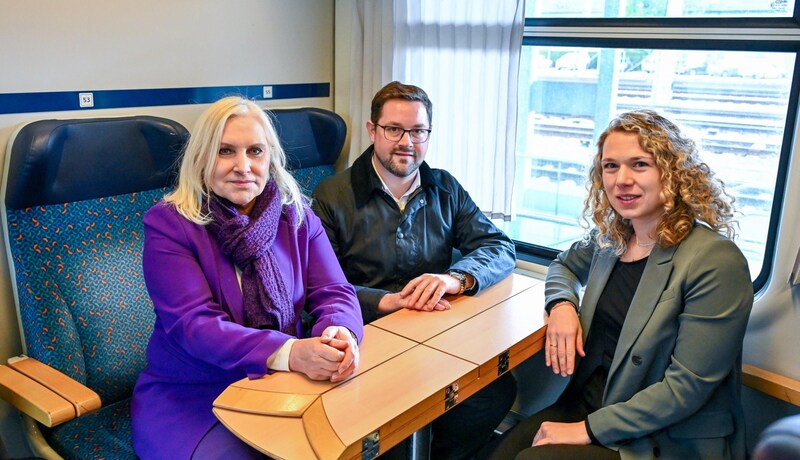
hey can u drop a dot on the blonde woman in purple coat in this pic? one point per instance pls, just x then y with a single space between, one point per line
232 257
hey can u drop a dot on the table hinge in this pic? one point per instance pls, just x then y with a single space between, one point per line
451 396
502 363
371 445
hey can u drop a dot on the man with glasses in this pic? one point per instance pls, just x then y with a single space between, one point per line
394 223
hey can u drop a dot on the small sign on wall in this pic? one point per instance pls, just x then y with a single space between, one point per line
86 99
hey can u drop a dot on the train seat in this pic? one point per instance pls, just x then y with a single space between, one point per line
73 195
312 139
780 441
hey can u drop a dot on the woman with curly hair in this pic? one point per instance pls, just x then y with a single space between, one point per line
666 303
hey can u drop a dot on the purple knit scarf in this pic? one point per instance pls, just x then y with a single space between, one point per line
247 240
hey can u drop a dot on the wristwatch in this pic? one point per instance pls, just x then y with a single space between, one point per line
462 278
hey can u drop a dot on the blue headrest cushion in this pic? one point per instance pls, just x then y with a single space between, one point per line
780 441
61 161
309 136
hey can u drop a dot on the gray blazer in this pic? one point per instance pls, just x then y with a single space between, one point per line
673 386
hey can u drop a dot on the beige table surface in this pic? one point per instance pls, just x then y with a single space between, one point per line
409 361
291 393
421 326
386 398
517 331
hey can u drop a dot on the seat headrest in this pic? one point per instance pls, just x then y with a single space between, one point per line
61 161
309 136
780 440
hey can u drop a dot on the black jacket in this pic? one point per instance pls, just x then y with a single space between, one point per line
381 248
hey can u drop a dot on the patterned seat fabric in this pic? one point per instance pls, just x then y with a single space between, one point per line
308 178
75 196
83 303
105 434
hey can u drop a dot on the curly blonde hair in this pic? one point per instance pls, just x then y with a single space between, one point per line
690 191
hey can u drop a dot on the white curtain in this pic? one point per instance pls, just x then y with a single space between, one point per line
371 65
465 55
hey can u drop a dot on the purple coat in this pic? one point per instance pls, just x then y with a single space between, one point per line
199 345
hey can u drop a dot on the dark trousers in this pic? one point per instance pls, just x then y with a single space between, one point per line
516 442
464 429
219 444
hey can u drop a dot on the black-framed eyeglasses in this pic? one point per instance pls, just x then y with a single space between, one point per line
395 133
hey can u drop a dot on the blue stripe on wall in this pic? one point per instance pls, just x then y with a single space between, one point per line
118 98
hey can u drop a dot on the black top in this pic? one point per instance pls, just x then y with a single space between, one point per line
612 307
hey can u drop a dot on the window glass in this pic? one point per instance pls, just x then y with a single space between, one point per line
657 8
733 104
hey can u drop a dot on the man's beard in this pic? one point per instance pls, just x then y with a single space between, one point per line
400 170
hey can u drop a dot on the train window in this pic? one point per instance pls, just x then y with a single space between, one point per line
736 99
659 8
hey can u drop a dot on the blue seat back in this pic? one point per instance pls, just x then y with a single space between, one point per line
312 139
75 194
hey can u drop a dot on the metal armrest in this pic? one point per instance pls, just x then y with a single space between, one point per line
44 393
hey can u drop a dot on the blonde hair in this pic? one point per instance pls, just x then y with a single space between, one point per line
201 153
690 189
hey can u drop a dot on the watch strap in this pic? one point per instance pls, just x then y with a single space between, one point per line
462 278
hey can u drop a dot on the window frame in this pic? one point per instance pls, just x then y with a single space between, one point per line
749 34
